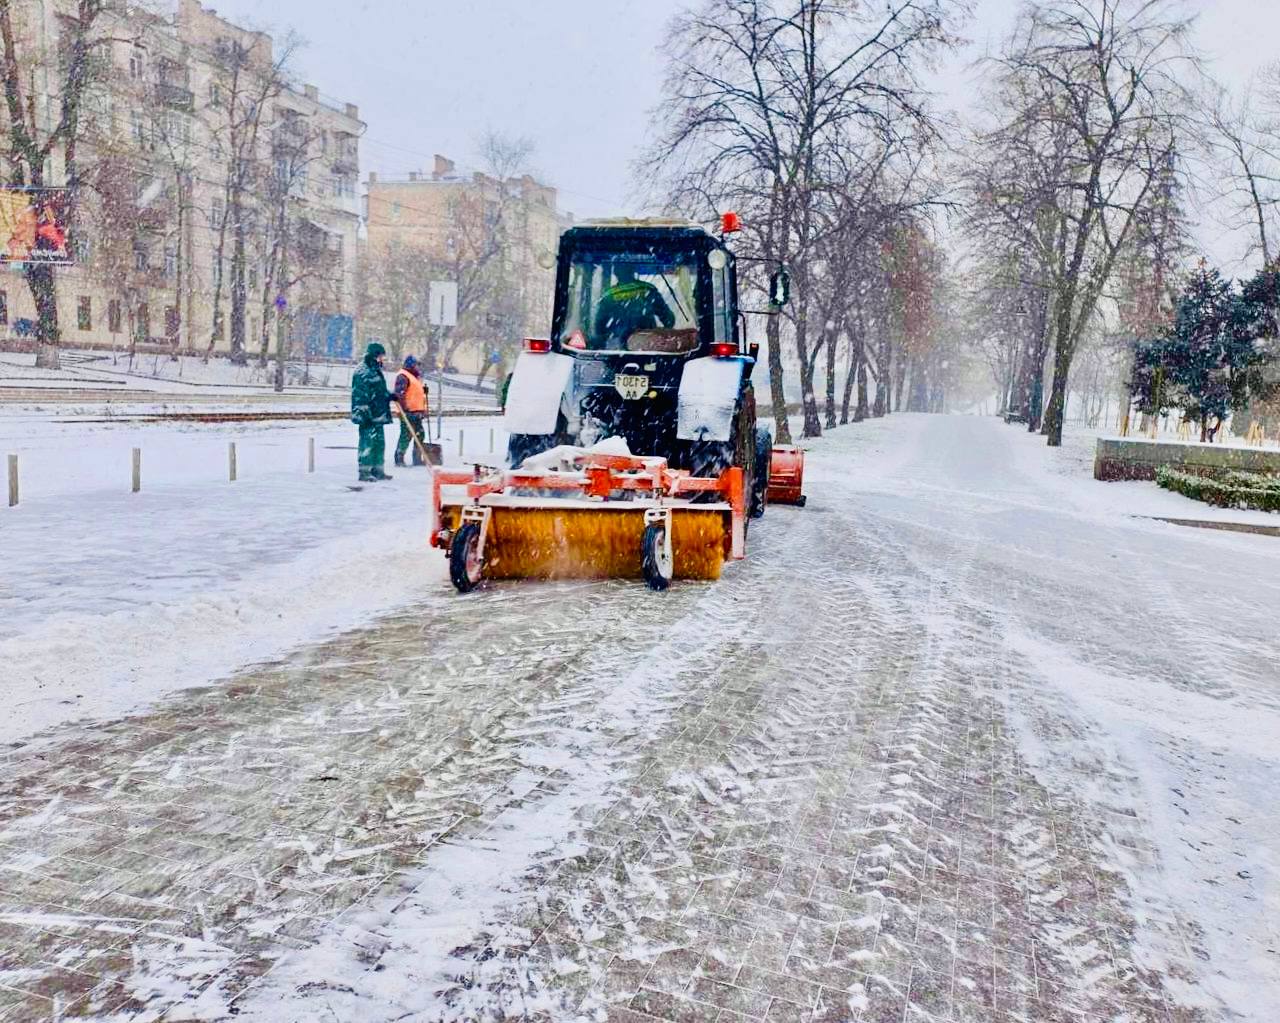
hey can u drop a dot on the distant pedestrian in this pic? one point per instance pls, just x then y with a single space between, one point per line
411 396
371 411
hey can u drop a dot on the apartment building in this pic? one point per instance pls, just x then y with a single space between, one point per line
202 172
495 238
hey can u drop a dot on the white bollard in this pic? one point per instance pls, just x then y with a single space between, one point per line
311 454
13 480
491 440
461 434
231 461
137 469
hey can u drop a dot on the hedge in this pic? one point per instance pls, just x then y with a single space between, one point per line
1234 490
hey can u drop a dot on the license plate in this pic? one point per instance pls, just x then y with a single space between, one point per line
631 385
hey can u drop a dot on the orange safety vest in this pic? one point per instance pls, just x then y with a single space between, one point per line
415 395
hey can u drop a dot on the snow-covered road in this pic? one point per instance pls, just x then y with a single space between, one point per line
957 742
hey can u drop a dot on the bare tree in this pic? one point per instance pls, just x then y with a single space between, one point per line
1098 82
760 98
31 141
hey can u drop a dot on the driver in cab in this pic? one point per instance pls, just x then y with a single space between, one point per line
630 305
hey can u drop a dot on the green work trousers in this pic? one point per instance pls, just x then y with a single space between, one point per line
372 451
406 438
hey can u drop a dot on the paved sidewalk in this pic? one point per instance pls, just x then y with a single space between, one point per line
800 794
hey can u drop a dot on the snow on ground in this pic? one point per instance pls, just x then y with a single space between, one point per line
963 739
110 599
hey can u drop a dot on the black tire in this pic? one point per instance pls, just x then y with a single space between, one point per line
657 568
760 481
465 568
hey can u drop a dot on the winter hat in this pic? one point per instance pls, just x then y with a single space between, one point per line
373 351
410 362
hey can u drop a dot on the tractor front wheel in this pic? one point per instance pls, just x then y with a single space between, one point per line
465 566
657 562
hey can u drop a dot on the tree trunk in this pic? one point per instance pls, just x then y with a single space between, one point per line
855 363
899 382
239 293
861 412
809 401
1053 418
777 395
830 422
48 335
883 405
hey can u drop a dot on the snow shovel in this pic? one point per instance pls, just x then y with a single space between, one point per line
431 453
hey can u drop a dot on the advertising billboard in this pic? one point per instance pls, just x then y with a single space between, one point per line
33 226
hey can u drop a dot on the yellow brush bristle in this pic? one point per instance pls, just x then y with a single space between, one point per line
589 543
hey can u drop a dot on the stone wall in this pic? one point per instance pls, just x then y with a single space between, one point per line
1119 458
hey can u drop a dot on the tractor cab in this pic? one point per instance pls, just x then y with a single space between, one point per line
647 344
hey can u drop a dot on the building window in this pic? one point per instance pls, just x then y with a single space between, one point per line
84 313
137 62
113 316
215 214
4 307
137 127
217 325
215 94
141 262
170 263
144 322
171 323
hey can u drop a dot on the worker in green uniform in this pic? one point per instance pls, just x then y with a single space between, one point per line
371 411
628 306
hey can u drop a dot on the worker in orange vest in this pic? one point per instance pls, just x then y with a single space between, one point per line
411 396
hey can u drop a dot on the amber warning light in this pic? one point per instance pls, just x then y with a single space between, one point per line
730 224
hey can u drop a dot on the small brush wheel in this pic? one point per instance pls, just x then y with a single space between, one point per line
465 567
656 562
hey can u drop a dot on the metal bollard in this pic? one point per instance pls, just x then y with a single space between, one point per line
137 469
491 440
231 461
461 434
311 454
13 480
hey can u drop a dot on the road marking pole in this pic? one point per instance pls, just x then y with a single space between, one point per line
231 461
311 454
13 480
461 434
491 440
137 469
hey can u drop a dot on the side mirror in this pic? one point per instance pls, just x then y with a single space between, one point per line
779 288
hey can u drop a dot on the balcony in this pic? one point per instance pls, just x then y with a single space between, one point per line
290 136
171 94
346 163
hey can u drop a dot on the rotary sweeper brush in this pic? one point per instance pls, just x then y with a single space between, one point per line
595 515
634 449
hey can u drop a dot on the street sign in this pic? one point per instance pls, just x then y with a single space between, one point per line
442 304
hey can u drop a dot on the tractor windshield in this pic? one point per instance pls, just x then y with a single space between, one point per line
632 302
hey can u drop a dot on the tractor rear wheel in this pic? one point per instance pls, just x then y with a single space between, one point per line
465 566
760 478
656 563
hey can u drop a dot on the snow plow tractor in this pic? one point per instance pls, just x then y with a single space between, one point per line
634 449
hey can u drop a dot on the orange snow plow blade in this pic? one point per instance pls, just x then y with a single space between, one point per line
609 516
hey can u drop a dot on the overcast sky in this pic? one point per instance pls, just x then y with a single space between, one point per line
578 77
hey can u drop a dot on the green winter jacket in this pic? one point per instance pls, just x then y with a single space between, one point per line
370 400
